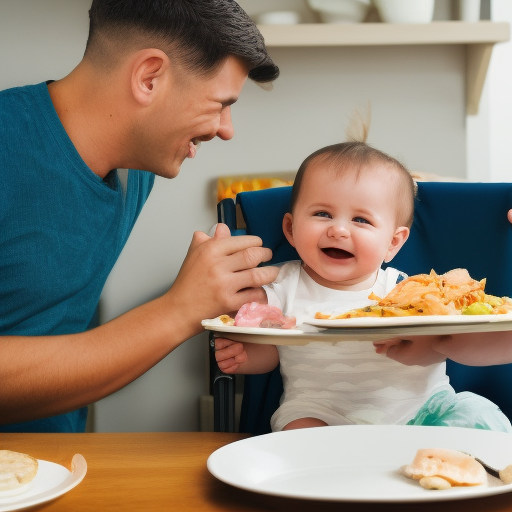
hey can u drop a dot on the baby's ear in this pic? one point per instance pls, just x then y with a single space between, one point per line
399 238
288 228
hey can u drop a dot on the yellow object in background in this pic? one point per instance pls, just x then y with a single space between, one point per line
230 186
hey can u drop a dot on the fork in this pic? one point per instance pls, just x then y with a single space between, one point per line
505 474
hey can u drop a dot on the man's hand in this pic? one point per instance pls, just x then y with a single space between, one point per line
220 274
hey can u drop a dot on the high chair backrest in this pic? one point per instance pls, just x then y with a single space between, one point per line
456 225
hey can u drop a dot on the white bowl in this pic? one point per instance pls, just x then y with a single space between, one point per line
340 11
278 18
405 11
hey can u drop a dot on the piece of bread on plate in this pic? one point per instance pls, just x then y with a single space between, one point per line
17 470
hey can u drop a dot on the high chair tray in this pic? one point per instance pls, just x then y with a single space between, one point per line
362 329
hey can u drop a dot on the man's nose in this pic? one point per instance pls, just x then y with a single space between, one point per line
225 130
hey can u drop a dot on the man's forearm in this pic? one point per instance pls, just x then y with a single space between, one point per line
49 375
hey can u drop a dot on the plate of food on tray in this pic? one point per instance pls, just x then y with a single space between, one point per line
449 303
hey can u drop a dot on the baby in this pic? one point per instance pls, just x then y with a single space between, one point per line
351 210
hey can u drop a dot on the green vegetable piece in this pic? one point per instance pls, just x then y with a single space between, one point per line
477 308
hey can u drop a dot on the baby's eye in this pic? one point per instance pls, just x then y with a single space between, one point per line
323 214
361 220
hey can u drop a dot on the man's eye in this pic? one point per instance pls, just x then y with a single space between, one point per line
322 214
360 220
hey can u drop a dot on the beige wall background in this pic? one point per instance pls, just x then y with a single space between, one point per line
418 116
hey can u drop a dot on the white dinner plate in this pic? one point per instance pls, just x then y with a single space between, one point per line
51 481
408 321
354 463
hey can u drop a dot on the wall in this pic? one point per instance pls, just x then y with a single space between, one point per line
40 39
488 134
418 115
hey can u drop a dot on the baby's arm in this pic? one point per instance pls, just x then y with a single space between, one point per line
245 358
472 349
476 348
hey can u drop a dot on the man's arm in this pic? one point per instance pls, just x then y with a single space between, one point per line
48 375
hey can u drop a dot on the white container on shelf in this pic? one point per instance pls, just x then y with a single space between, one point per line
405 11
340 11
278 18
469 10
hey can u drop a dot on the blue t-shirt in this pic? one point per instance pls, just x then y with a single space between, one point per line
62 228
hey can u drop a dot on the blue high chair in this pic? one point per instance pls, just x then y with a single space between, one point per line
456 225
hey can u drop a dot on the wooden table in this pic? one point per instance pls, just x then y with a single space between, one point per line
147 472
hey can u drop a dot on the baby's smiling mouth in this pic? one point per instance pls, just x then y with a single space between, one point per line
337 254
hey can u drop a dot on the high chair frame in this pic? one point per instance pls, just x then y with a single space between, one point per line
456 225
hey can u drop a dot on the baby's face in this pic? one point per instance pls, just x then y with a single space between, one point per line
344 227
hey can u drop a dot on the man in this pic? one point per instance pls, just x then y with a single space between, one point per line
157 78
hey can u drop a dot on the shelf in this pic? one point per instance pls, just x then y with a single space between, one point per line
478 38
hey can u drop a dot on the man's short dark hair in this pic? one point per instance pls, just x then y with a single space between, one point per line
200 33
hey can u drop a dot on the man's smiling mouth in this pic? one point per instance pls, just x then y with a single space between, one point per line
337 254
193 146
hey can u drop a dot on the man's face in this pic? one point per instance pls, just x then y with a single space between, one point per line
193 110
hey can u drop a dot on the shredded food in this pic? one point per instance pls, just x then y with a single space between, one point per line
452 293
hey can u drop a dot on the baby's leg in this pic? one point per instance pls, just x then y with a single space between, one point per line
305 423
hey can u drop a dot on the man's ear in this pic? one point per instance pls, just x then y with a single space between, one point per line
399 238
148 74
288 228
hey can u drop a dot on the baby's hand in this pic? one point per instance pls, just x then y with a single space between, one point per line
382 347
417 350
229 354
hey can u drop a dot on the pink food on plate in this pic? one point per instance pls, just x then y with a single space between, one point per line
254 314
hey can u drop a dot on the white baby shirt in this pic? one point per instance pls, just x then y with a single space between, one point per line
345 382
